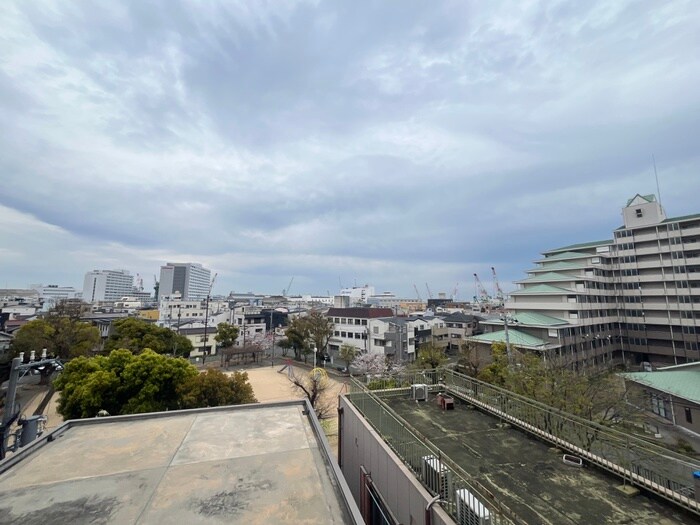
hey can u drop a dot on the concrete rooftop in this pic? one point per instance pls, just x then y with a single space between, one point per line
255 464
526 474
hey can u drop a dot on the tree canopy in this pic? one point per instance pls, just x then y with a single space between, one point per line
598 397
214 388
430 356
347 353
137 334
305 333
63 337
125 383
226 334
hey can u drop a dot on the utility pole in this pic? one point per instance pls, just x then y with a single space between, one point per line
507 318
206 319
11 414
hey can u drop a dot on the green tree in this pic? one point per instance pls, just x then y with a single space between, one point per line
312 330
138 334
347 353
600 397
320 330
285 344
430 356
298 335
468 359
62 337
214 388
497 372
226 334
121 383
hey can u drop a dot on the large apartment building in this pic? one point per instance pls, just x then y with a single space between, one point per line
191 280
633 299
107 285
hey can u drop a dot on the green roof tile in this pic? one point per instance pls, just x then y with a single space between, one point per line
649 198
551 277
560 265
542 289
681 383
537 319
682 218
580 246
516 338
566 255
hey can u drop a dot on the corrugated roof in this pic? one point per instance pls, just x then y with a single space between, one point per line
582 245
542 289
684 383
516 338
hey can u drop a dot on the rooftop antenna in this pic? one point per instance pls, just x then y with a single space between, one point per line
658 190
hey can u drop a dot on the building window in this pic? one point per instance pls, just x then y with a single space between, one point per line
688 415
638 212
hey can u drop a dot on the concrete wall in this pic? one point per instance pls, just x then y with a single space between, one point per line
359 446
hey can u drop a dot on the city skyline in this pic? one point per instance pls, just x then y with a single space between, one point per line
387 145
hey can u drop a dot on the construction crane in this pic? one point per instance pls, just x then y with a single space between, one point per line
482 295
285 292
211 284
497 291
417 292
430 294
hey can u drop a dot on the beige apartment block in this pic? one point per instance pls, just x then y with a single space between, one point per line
633 299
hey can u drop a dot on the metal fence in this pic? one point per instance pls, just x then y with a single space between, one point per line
634 459
437 473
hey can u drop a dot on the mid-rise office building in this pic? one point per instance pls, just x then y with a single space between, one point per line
633 299
190 280
107 285
52 294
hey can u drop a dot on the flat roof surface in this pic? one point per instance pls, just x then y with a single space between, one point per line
258 464
526 474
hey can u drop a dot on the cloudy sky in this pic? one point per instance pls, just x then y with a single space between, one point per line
382 142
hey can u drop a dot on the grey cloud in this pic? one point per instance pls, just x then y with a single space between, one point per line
443 137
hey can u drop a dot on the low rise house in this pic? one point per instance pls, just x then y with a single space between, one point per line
351 326
459 327
672 392
204 345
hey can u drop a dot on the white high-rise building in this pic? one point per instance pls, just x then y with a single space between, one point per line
107 285
190 280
